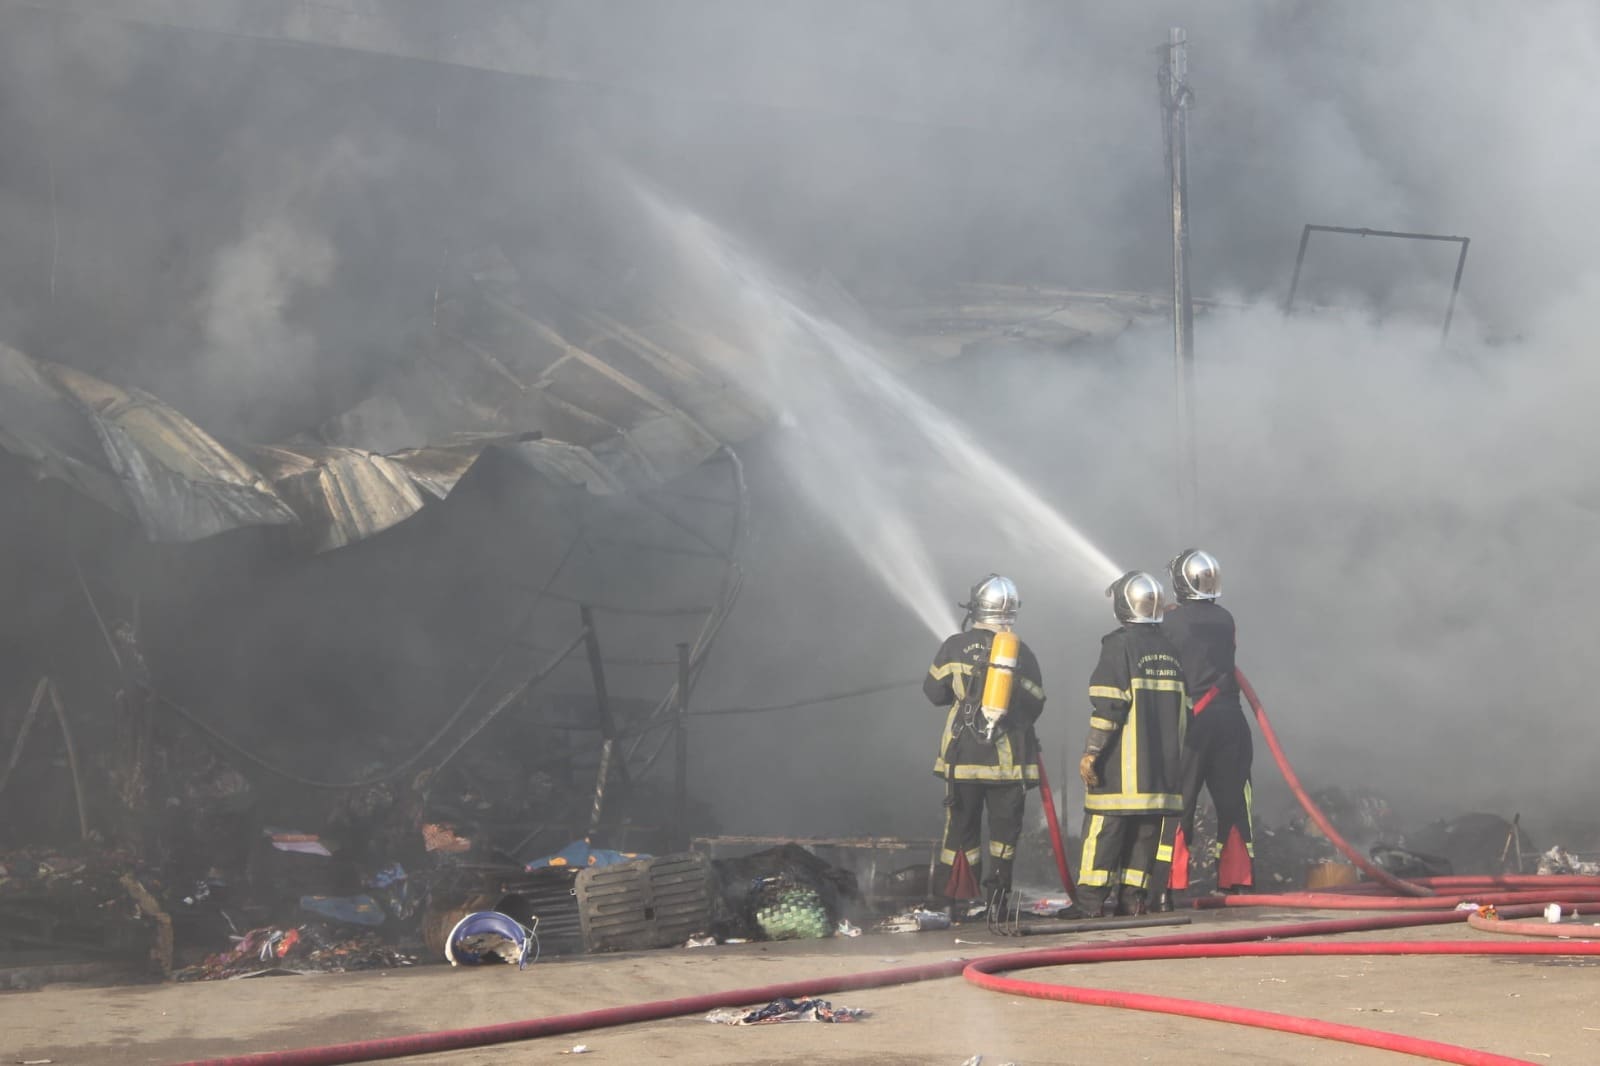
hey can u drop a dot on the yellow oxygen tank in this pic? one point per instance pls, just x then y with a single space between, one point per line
997 683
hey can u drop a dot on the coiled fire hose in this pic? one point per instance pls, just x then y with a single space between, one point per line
1425 906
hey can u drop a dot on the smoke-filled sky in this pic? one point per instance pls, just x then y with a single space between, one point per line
251 229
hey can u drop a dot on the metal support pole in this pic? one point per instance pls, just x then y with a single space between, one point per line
1174 79
1299 261
602 709
1455 287
681 794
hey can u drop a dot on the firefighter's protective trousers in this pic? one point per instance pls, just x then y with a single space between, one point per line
963 832
1218 749
983 774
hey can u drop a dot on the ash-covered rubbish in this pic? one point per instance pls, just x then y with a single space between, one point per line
1559 861
784 1009
914 921
314 947
781 893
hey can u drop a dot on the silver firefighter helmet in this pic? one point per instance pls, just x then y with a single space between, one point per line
994 601
1196 575
1136 598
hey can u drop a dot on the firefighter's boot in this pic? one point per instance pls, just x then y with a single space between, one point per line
1091 900
1132 902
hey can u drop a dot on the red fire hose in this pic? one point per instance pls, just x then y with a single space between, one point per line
1338 901
1455 889
1049 800
507 1032
1372 870
983 973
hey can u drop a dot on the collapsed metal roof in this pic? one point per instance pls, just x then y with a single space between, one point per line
618 408
578 395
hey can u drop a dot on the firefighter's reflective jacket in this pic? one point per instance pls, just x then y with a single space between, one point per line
1203 633
955 680
1141 709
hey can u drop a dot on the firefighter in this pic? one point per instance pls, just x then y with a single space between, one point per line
1217 750
1130 761
988 753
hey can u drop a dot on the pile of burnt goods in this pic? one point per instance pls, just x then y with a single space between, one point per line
783 893
1296 854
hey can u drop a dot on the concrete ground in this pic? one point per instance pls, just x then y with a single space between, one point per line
1542 1010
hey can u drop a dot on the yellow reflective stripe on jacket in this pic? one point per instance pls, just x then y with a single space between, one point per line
1031 687
1129 802
1130 748
1106 692
967 771
1096 722
957 672
939 765
1158 684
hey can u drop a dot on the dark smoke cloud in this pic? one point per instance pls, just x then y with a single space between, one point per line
253 231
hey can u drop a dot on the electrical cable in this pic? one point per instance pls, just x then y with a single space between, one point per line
832 697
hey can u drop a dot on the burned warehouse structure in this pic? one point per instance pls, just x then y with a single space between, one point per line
431 592
531 482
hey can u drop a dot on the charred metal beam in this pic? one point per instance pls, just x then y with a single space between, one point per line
1362 231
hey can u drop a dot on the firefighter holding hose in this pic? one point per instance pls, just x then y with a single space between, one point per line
1217 749
990 681
1131 760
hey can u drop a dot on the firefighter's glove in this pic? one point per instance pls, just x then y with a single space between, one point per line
1086 770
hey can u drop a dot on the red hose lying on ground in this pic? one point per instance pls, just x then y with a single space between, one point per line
1460 883
1565 930
1335 901
506 1032
983 973
1372 870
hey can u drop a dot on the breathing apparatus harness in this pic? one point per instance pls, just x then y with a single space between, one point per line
984 706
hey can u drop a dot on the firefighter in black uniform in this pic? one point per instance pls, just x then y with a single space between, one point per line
988 753
1217 750
1130 762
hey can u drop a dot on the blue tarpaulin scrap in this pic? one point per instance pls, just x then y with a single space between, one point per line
352 910
580 854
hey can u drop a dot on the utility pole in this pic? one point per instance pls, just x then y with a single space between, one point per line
1175 100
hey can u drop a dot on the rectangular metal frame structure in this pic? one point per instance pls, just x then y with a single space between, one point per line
1455 287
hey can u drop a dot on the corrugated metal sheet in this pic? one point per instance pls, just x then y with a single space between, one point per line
614 411
580 396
